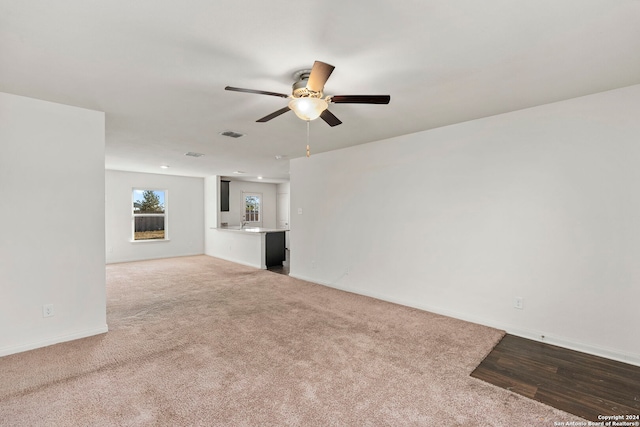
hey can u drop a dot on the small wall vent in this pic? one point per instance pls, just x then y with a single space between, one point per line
231 134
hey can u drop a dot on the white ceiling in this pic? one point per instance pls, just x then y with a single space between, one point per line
158 68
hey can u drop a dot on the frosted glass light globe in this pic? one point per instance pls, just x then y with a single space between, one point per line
308 108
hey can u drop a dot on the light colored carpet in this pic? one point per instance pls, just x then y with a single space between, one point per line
201 341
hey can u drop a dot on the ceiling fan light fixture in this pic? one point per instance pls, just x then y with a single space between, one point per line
307 96
308 108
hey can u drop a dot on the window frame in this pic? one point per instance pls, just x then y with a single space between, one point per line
134 215
244 210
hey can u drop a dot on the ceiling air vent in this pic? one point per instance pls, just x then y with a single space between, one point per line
231 134
192 154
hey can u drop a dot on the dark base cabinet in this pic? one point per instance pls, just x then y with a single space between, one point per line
275 248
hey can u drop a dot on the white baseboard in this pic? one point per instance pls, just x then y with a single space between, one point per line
13 349
632 359
235 261
134 259
577 346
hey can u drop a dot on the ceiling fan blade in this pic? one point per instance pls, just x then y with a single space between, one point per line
259 92
273 115
360 99
319 75
329 118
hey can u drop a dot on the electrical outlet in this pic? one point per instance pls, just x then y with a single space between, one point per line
518 303
47 310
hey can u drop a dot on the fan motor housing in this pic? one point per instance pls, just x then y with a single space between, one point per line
299 88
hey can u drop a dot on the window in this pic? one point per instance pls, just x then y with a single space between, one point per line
149 215
252 212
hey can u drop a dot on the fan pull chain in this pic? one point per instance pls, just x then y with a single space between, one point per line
308 151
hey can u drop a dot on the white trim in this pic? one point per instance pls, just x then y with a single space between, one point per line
608 353
260 211
5 351
123 260
164 214
236 261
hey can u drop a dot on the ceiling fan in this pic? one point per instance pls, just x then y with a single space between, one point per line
307 97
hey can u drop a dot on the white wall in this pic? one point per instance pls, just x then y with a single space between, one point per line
239 247
185 216
52 212
236 204
541 204
247 249
211 202
284 188
283 209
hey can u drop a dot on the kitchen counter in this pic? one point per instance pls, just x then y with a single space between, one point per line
255 246
237 228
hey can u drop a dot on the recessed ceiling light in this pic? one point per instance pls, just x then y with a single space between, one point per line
164 166
231 134
259 177
281 156
192 154
239 172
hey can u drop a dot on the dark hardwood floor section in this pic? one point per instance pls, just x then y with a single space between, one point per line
284 268
280 269
575 382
